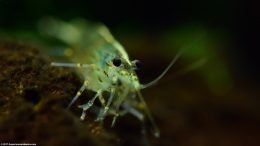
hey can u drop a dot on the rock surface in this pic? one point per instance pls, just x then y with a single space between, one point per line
33 97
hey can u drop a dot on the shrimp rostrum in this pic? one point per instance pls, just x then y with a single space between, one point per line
104 66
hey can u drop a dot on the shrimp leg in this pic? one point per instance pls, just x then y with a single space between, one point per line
86 106
104 111
139 115
77 65
82 88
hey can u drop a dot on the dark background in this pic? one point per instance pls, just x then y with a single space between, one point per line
237 18
218 103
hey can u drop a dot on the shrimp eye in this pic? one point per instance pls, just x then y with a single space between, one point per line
117 62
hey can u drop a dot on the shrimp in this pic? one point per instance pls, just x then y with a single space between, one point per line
104 66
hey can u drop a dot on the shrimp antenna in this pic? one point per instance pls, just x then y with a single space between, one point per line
155 129
172 63
164 72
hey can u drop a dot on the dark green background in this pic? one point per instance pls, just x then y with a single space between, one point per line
215 104
236 18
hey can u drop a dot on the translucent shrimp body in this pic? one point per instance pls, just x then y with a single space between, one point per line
104 66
